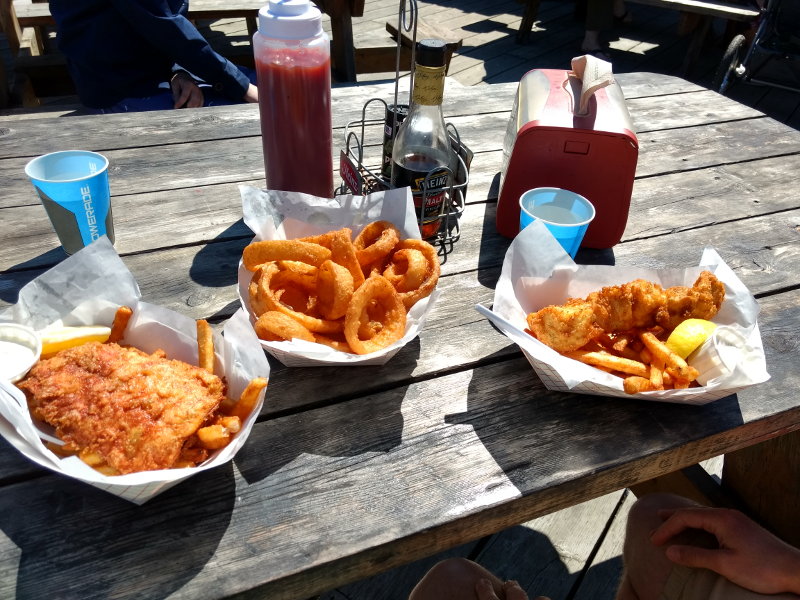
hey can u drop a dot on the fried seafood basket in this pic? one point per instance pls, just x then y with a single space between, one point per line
360 162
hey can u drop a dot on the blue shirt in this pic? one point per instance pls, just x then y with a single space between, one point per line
119 49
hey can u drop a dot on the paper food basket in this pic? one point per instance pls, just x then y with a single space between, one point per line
537 273
277 215
86 289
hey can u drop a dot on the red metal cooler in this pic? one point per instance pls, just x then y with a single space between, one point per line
548 145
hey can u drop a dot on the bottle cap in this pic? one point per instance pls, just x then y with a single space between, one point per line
290 20
430 53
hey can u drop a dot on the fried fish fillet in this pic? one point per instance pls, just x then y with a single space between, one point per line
617 308
134 409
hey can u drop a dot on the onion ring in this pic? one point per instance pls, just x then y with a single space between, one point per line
393 313
343 252
375 241
411 297
274 326
258 253
274 301
334 290
257 305
337 343
407 269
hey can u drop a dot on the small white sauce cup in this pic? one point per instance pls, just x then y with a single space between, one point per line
20 348
719 354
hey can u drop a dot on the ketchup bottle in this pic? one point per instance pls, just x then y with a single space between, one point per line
293 63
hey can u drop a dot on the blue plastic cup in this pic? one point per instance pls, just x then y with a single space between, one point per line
73 188
565 214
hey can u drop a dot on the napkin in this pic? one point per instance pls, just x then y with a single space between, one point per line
273 215
86 289
537 272
593 74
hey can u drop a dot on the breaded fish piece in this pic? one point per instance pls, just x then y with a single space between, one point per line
134 409
701 301
567 327
638 304
627 306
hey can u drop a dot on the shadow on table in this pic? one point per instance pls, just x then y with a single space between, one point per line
154 549
22 273
338 426
541 438
216 263
334 432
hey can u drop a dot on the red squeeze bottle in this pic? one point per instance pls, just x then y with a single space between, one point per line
293 63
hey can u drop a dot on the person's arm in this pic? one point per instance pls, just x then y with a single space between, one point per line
177 37
748 555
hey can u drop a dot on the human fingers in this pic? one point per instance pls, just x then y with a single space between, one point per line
196 99
712 520
699 558
485 590
180 92
513 591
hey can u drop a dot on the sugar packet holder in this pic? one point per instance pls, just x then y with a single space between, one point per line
537 272
279 215
86 289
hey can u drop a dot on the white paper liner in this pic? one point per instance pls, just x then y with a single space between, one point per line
277 215
537 273
86 289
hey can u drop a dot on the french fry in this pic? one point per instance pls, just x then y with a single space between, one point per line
218 435
121 318
213 437
657 375
249 398
661 352
205 345
610 361
646 356
91 458
636 385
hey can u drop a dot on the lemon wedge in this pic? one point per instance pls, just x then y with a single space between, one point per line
62 338
688 336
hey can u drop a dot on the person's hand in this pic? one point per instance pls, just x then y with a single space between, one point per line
748 555
185 92
251 95
510 591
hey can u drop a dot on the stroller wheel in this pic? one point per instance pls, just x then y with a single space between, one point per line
727 70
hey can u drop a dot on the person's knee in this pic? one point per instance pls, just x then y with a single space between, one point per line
459 569
452 578
644 514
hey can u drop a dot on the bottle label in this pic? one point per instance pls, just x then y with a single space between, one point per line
428 85
432 192
395 115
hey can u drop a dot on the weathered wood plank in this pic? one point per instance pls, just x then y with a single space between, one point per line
31 138
767 492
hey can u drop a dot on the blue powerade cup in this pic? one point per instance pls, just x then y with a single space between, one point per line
73 188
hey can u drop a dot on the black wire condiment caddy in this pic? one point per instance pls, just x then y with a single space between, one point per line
361 157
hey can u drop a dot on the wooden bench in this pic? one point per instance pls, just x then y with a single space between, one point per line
376 53
341 12
706 10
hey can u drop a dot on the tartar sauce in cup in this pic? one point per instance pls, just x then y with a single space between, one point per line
20 348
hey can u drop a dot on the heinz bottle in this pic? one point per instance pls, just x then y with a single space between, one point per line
422 146
293 62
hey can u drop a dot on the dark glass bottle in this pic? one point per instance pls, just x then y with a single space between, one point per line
422 147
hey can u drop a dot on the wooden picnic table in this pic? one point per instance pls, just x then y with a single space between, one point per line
352 471
340 12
